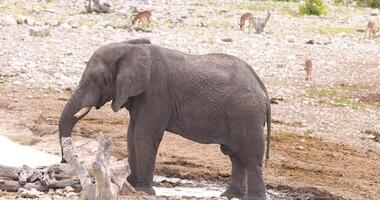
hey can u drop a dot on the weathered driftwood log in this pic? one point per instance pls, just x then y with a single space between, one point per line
107 184
108 179
41 179
102 8
261 23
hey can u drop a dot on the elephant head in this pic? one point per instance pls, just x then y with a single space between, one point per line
114 72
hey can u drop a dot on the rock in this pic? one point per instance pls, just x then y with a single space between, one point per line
45 198
311 42
299 147
39 23
32 193
29 20
75 25
291 39
20 19
227 40
66 25
57 197
374 12
39 32
8 21
55 23
72 196
69 189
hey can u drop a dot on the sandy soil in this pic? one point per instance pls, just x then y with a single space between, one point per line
297 161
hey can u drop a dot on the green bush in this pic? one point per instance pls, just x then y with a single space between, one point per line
343 2
313 7
368 3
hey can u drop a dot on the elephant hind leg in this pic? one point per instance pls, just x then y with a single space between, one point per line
252 156
238 183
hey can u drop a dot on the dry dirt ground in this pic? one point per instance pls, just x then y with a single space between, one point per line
297 161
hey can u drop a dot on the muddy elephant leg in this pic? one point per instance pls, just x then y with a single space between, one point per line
146 142
132 178
238 183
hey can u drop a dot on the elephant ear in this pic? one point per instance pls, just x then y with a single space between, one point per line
132 76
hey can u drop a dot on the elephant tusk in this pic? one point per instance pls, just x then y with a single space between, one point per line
82 112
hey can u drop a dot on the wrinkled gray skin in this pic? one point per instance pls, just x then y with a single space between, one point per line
212 98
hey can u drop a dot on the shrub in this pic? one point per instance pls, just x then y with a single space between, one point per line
313 7
368 3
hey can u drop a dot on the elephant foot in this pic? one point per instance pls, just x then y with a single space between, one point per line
254 197
231 193
148 190
132 180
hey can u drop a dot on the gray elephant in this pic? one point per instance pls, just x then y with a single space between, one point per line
212 98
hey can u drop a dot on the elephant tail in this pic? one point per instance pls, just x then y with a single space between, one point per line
269 126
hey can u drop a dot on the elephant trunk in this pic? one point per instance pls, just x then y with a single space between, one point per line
67 120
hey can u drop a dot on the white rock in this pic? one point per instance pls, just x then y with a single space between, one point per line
39 23
39 32
69 189
57 197
8 21
32 193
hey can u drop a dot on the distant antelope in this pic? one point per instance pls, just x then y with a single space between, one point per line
308 68
146 14
247 17
371 29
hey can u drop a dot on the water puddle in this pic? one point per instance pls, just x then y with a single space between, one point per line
16 155
188 188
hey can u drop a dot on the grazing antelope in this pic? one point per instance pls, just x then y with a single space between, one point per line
308 68
371 29
146 14
247 17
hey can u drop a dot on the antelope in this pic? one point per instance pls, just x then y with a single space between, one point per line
371 29
247 17
308 68
146 14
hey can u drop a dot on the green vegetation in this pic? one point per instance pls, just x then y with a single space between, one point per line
313 7
368 3
333 30
340 96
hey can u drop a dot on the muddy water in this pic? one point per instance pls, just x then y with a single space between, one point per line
188 188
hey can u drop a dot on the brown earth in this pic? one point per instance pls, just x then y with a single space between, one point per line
297 161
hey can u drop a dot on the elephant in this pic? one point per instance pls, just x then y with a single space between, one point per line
211 99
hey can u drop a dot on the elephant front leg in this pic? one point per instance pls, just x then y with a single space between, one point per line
132 178
146 146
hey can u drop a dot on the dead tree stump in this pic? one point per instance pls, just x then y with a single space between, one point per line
101 8
107 183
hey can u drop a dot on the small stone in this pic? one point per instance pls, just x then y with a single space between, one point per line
227 40
20 19
72 195
291 40
32 193
374 12
39 23
39 32
45 198
55 23
51 192
69 189
299 147
75 25
57 197
8 21
311 42
29 21
109 27
66 25
59 191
